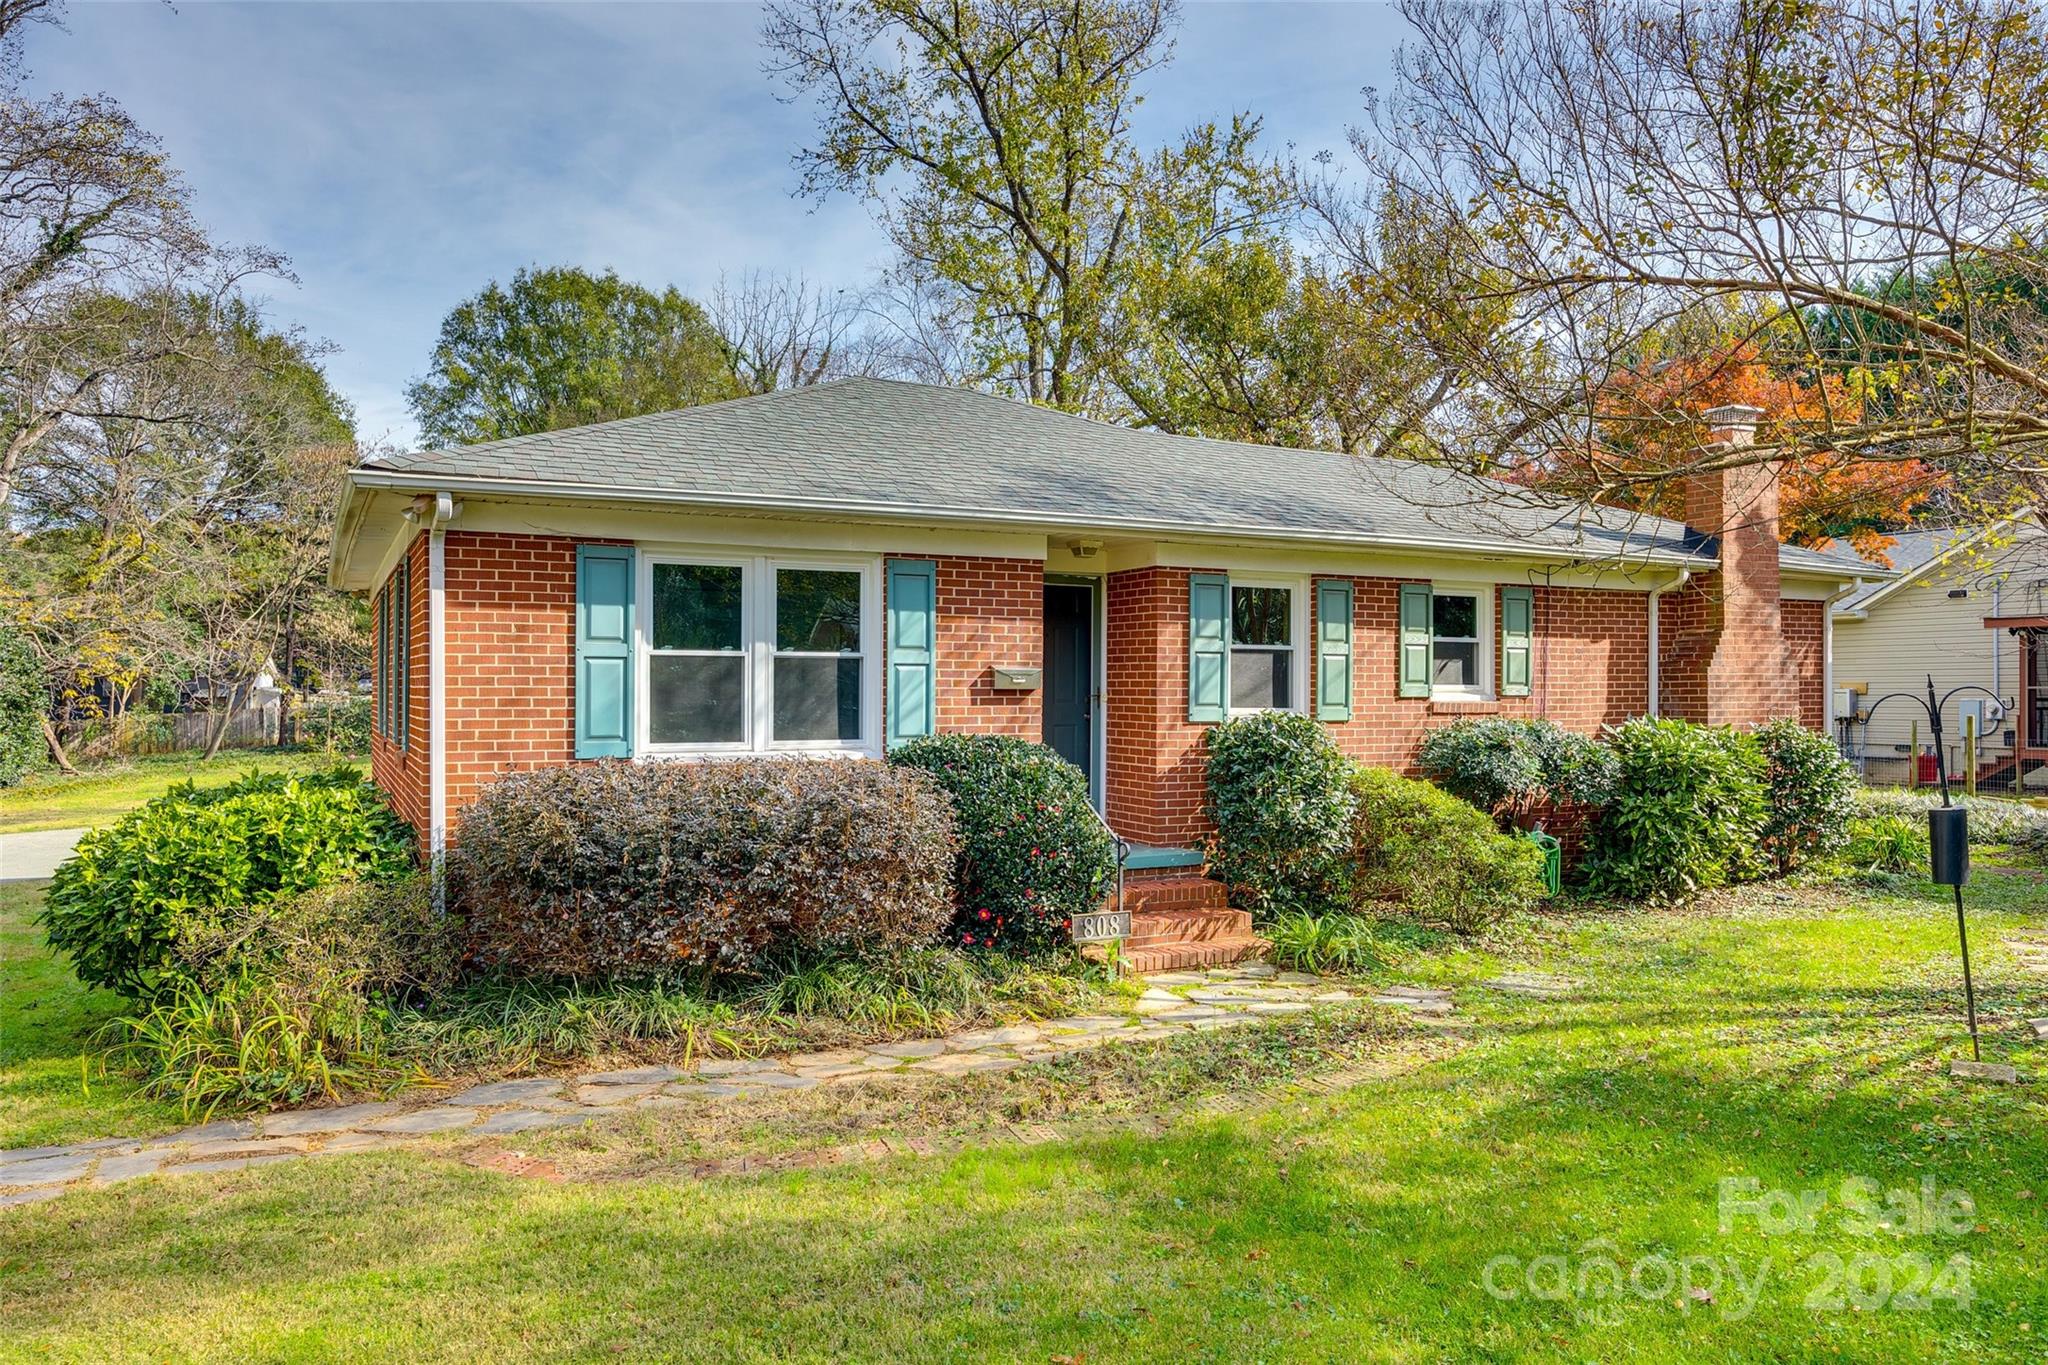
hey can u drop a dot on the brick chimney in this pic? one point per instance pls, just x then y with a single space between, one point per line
1723 643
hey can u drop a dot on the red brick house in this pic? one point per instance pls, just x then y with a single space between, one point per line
831 570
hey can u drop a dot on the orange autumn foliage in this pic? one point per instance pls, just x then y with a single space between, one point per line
1824 495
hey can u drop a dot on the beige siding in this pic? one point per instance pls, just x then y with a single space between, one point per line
1920 630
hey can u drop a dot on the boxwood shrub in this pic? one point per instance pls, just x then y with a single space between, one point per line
1688 812
641 869
1032 854
128 892
1281 798
1420 850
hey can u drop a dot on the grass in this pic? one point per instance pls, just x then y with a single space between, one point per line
1796 1038
50 1089
101 794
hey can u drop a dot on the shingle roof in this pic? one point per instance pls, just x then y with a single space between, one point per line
884 445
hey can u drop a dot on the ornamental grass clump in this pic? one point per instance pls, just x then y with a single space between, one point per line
646 869
1032 854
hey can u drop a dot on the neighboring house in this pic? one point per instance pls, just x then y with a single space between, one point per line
833 570
1965 608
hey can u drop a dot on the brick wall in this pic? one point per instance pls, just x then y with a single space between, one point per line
1590 668
991 613
1806 662
511 655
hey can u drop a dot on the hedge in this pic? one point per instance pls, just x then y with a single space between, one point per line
625 869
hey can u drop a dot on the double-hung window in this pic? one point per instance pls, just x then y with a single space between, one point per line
1458 634
1264 635
753 654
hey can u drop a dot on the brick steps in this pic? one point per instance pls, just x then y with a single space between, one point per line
1184 921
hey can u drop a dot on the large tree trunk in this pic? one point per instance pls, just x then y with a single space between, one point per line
56 745
218 732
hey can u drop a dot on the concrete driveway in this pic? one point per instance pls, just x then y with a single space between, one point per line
32 857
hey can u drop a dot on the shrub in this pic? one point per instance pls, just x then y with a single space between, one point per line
119 905
1688 811
369 940
1032 853
341 726
1324 943
1281 800
1441 858
1510 767
640 869
22 699
1812 793
1886 843
1992 820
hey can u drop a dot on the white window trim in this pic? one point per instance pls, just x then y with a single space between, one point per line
757 617
1297 638
1484 592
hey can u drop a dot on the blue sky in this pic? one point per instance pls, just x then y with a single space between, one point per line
403 154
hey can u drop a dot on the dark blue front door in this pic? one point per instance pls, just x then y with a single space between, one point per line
1070 674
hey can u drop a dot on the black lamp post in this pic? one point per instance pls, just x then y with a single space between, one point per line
1948 833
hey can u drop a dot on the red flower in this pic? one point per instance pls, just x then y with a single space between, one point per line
984 914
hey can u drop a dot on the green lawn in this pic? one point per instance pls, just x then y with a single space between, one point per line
103 793
49 1090
1794 1039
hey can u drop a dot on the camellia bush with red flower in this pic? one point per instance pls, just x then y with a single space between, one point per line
1032 854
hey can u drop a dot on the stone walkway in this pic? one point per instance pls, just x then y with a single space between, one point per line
2032 951
1172 1003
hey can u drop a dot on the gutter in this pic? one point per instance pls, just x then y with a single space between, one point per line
891 512
1656 672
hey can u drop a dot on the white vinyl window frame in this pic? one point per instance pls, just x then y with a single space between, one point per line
757 635
1483 656
1297 637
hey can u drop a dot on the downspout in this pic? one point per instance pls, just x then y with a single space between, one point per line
1656 595
445 510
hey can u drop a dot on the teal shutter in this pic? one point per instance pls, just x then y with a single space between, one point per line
1416 652
911 593
1517 630
604 651
1333 650
403 673
1208 647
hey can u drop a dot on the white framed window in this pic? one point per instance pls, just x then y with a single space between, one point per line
759 654
1268 623
1461 641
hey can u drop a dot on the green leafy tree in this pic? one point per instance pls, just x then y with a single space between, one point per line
993 141
23 698
561 347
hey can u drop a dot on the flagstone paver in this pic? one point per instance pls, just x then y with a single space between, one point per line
439 1119
509 1092
336 1120
1171 1004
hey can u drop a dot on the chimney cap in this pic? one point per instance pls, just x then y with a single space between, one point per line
1732 415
